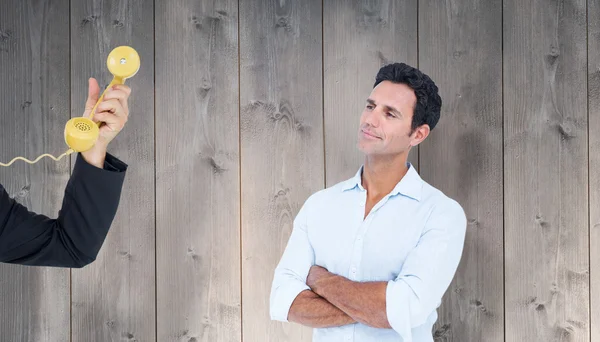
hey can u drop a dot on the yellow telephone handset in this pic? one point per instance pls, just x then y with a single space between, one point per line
81 133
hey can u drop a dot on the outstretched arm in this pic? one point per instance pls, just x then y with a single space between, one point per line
73 239
90 199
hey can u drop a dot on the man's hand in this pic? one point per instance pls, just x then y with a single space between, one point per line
112 112
316 275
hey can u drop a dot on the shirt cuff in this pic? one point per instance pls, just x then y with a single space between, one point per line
400 307
283 298
112 163
113 172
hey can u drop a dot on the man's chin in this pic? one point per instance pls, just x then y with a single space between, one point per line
367 149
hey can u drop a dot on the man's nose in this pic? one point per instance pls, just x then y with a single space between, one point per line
373 118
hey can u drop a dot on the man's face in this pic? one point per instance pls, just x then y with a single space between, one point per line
385 123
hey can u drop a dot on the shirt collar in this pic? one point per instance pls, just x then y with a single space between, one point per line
410 185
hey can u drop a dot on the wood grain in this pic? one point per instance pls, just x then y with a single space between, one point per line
546 174
197 176
34 107
359 37
114 298
594 161
460 48
282 144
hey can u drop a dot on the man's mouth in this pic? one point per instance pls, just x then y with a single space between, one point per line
368 134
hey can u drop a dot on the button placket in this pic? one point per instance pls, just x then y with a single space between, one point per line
358 248
356 256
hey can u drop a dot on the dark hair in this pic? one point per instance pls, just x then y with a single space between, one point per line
429 102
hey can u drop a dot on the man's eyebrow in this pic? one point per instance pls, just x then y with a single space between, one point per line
391 109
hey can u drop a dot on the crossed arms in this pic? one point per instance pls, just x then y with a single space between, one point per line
305 293
336 301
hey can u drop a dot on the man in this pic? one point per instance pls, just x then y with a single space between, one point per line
89 206
370 258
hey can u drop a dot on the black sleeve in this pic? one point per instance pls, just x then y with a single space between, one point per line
73 239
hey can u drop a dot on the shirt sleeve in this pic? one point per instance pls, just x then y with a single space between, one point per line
428 270
291 272
74 239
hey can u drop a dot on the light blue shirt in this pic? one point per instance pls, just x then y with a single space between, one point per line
412 239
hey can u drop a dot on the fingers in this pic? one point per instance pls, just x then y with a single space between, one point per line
112 106
113 110
112 114
115 121
121 95
93 93
123 87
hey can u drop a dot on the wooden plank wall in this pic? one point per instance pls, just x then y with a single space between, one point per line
197 171
593 78
546 172
460 47
281 104
242 109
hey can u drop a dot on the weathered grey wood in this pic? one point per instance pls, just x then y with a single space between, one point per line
34 107
594 161
359 38
460 47
114 298
546 171
281 144
197 176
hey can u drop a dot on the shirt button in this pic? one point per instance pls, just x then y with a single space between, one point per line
359 238
354 270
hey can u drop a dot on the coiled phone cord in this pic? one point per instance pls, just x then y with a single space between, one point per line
69 151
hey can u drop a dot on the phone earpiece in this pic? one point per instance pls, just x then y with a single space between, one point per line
123 62
81 133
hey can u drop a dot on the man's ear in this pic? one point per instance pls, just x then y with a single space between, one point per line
419 134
